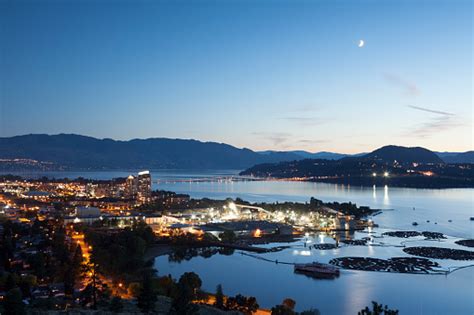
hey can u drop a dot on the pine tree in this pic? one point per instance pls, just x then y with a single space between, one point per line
116 305
219 297
10 283
13 304
147 298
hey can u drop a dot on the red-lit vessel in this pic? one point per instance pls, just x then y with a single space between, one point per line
317 270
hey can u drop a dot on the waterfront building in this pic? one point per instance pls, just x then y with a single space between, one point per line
130 187
87 212
144 187
344 222
122 220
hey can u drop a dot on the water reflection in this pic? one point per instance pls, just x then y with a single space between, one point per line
386 200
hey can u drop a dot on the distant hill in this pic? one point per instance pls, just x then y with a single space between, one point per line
321 155
300 155
456 157
389 165
69 151
385 153
281 155
76 152
392 153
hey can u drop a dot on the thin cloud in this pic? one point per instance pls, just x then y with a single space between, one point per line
424 109
439 121
308 141
283 140
276 138
409 87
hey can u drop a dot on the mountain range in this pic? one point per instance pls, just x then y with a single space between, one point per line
446 157
76 152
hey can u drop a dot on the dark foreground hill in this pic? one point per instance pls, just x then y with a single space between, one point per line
404 155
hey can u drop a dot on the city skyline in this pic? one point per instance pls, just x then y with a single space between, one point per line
267 76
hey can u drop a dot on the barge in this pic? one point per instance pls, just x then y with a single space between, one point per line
317 270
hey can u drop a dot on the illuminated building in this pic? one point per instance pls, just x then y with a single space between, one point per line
87 211
144 187
130 187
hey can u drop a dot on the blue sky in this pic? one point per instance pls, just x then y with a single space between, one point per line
260 74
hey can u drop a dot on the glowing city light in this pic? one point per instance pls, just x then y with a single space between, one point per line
232 206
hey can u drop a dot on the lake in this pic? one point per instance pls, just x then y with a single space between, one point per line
353 290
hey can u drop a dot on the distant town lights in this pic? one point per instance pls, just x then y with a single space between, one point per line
232 206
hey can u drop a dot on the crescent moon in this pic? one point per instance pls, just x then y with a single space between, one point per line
361 43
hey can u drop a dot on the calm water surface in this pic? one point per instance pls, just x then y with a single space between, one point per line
271 283
352 291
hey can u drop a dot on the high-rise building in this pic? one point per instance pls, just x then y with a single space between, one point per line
130 187
144 186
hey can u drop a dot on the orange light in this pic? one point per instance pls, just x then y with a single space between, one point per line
257 233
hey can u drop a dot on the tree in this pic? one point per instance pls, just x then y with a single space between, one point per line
37 262
246 305
10 283
167 286
228 236
69 281
13 303
219 297
377 309
25 288
182 303
282 310
116 304
192 281
290 303
95 289
147 298
310 312
78 258
188 286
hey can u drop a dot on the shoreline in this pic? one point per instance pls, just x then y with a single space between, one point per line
232 177
344 183
158 250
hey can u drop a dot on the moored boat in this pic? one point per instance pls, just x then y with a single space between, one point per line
317 270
